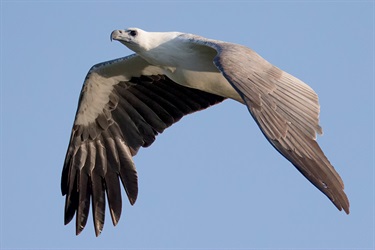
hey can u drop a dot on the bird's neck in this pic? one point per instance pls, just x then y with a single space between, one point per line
158 46
155 40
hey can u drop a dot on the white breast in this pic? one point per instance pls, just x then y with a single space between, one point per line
191 65
209 81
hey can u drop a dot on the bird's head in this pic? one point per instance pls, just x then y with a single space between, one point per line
141 41
133 38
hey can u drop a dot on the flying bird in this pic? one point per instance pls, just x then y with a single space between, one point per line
125 103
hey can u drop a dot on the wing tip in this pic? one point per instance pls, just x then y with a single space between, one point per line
346 209
339 199
115 216
343 207
79 229
98 230
132 200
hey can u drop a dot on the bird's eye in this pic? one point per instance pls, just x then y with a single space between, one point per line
133 32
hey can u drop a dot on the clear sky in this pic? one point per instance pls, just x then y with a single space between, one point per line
210 181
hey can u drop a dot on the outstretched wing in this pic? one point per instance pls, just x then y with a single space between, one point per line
286 110
123 105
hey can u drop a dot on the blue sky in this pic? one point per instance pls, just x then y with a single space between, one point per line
211 180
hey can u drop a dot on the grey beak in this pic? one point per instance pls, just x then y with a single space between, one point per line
116 34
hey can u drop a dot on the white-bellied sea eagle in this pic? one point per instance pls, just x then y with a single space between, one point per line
126 102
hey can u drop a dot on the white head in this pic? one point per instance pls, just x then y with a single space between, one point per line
133 38
139 40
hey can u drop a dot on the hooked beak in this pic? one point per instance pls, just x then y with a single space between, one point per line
119 35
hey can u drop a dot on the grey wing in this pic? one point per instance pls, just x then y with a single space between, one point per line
286 110
130 112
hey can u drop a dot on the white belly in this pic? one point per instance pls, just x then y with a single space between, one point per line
192 67
211 81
